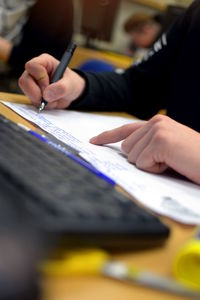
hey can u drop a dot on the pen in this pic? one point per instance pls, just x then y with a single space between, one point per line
60 70
122 272
97 261
69 154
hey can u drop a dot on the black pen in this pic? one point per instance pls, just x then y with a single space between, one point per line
60 70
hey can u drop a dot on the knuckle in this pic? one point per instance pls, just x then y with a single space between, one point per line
44 56
160 137
139 164
36 60
124 146
159 118
21 80
28 64
160 125
161 146
121 130
58 90
131 159
61 89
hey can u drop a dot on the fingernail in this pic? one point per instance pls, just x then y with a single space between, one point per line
93 140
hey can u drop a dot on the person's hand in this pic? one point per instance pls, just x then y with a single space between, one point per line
158 144
34 82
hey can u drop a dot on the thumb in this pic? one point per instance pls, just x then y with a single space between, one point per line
55 91
49 94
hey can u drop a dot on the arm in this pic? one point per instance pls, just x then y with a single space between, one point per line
142 90
155 145
35 83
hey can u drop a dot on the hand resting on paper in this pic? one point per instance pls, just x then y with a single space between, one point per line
35 83
158 144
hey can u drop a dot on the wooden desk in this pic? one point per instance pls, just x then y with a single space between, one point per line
159 260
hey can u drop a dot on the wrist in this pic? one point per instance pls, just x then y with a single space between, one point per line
80 87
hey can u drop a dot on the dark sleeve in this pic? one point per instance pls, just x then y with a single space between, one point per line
142 90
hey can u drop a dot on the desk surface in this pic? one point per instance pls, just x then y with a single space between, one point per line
159 260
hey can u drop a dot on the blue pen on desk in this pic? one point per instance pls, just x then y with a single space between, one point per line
72 156
60 70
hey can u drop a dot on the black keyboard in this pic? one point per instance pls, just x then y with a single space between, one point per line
61 197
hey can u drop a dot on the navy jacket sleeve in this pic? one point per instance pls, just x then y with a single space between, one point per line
142 90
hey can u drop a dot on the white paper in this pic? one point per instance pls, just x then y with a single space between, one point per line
165 194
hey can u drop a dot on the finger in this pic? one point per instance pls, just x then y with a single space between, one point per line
41 68
39 74
130 142
115 135
147 162
30 88
139 145
57 90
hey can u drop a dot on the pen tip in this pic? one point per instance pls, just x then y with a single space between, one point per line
41 107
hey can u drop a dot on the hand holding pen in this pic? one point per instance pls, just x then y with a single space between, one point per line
37 81
58 74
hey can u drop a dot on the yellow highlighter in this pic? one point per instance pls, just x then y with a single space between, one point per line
76 263
187 263
98 262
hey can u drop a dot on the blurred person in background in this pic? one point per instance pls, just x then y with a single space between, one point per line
29 28
143 30
13 15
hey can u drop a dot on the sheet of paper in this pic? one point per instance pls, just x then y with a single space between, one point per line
167 194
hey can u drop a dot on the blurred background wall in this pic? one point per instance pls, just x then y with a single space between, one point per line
120 12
